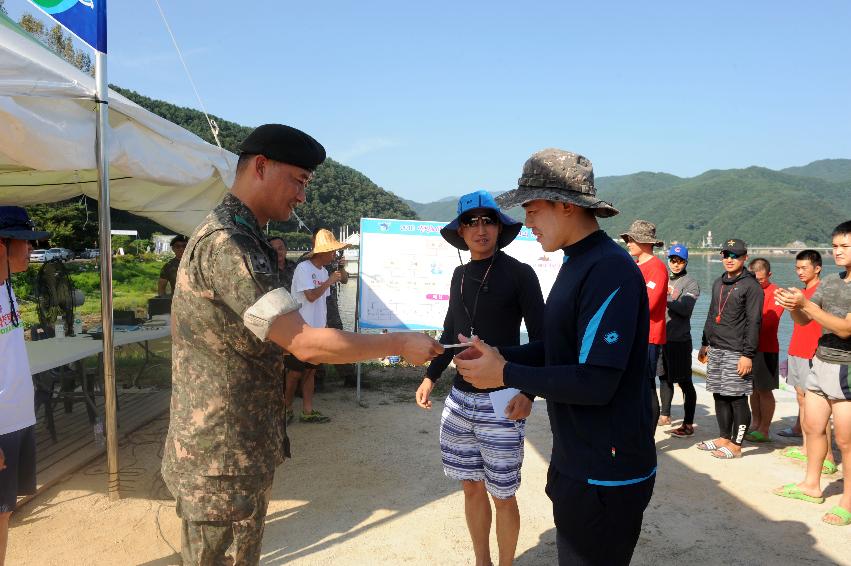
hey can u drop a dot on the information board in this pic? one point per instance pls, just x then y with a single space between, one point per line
406 268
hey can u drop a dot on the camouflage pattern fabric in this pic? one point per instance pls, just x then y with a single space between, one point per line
643 232
227 402
169 272
287 275
230 541
557 175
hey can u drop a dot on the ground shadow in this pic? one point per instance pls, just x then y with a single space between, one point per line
682 526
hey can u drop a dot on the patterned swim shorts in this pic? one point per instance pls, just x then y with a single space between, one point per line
477 445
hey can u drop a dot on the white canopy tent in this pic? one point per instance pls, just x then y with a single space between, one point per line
47 143
52 121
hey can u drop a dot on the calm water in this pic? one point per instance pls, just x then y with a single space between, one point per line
700 267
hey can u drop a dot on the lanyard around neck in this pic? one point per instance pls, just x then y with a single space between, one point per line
482 283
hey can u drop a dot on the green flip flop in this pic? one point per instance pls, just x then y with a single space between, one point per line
795 453
843 514
756 436
792 491
828 468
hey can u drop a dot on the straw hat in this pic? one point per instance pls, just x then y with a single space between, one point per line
326 242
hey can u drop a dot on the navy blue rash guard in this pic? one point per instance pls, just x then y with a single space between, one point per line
591 366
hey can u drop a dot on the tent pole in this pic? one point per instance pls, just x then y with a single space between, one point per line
105 228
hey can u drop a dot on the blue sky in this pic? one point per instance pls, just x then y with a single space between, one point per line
438 98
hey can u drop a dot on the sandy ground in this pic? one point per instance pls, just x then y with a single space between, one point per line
368 488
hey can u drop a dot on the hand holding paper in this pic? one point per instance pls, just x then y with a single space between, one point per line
481 365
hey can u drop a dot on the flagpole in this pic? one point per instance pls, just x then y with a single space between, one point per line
105 229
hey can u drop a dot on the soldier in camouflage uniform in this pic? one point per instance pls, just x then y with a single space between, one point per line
168 274
232 322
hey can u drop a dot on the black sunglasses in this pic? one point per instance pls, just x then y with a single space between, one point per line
473 221
730 255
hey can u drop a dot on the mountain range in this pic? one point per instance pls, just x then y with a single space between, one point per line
762 206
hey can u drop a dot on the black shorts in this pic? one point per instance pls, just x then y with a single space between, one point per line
19 476
766 374
676 361
293 363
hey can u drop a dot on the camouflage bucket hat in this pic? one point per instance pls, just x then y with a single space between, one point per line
642 232
557 175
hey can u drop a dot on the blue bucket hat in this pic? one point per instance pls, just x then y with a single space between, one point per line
15 224
475 201
678 250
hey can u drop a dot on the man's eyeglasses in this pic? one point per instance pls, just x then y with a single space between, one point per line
473 221
730 255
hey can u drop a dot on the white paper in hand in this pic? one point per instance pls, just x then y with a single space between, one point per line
500 399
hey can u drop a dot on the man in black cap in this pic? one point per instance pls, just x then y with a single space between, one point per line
232 322
17 408
730 342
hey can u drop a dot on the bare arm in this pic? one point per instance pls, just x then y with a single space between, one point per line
803 310
839 326
800 317
327 345
313 294
161 284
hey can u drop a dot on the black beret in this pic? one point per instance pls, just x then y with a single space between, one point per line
285 144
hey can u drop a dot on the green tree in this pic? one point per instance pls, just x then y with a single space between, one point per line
70 224
57 41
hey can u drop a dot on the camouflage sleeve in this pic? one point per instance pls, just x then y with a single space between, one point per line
240 273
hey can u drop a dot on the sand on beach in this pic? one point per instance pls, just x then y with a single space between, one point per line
368 488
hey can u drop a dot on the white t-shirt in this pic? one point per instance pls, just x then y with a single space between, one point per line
308 276
17 397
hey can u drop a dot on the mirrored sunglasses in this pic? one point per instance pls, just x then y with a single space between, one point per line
730 255
473 221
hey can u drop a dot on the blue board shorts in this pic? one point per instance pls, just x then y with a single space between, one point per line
478 445
19 476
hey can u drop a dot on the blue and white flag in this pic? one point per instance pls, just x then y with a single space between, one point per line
84 18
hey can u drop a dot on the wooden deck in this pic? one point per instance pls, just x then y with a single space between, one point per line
75 447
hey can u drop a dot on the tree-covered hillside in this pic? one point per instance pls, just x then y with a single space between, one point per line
760 205
834 170
337 196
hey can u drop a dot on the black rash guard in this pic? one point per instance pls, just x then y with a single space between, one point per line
591 366
511 293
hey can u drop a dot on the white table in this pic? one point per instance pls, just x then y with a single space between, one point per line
45 355
52 353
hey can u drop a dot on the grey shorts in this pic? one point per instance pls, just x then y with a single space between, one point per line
766 374
797 371
831 381
722 376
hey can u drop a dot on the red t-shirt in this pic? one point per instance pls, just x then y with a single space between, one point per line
656 276
771 314
805 338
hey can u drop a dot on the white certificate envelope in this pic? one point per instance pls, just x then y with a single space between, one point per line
500 399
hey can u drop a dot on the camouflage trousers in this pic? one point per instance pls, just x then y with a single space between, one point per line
222 518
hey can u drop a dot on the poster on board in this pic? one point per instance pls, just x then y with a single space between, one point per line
406 267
